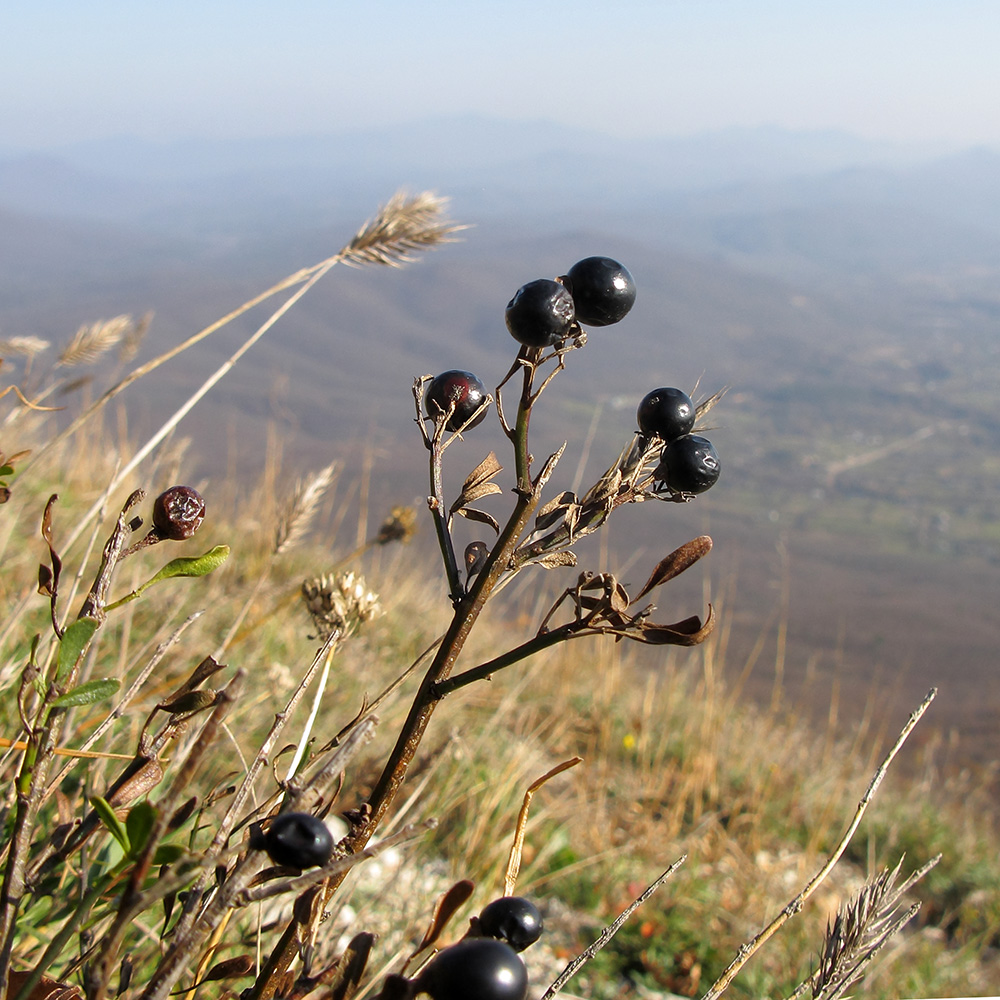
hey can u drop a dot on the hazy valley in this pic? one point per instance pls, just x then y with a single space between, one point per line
845 292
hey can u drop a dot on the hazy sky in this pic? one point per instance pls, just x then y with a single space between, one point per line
900 69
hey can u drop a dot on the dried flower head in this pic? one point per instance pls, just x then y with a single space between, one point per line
399 526
339 603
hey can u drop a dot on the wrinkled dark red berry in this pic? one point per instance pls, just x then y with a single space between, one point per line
513 919
689 464
540 314
666 412
475 969
298 840
178 513
459 389
603 290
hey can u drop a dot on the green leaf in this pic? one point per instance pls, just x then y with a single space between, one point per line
191 565
139 825
183 566
167 854
87 693
72 645
6 470
112 822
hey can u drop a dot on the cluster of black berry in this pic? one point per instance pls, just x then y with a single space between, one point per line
597 291
688 463
487 967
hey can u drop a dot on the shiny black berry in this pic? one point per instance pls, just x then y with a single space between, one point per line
603 290
540 314
459 389
513 919
298 840
178 512
475 969
666 412
689 464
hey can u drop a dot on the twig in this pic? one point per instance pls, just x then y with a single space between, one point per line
609 932
797 903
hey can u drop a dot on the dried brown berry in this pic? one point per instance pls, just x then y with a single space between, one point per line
178 513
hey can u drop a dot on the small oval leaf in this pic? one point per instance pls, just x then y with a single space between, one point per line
87 693
111 821
73 643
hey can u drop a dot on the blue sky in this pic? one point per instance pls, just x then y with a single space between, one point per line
83 69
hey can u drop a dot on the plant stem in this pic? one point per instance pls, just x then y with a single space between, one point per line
437 505
515 655
467 611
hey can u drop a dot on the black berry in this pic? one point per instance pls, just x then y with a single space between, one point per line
689 464
178 512
513 919
541 313
603 290
475 969
667 412
459 389
298 840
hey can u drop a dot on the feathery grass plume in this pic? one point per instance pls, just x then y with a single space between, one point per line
404 225
22 347
94 339
133 338
339 603
860 929
300 510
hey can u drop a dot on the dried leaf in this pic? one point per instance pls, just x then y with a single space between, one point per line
187 701
475 556
44 989
344 977
477 483
551 512
481 516
240 965
689 632
483 472
552 560
52 577
674 564
547 469
447 905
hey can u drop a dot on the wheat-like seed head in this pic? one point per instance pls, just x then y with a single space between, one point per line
860 929
404 226
301 509
133 338
94 339
24 347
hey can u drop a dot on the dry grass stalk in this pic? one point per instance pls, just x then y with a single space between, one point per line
404 226
94 339
300 511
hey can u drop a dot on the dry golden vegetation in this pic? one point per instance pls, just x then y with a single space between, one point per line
275 665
